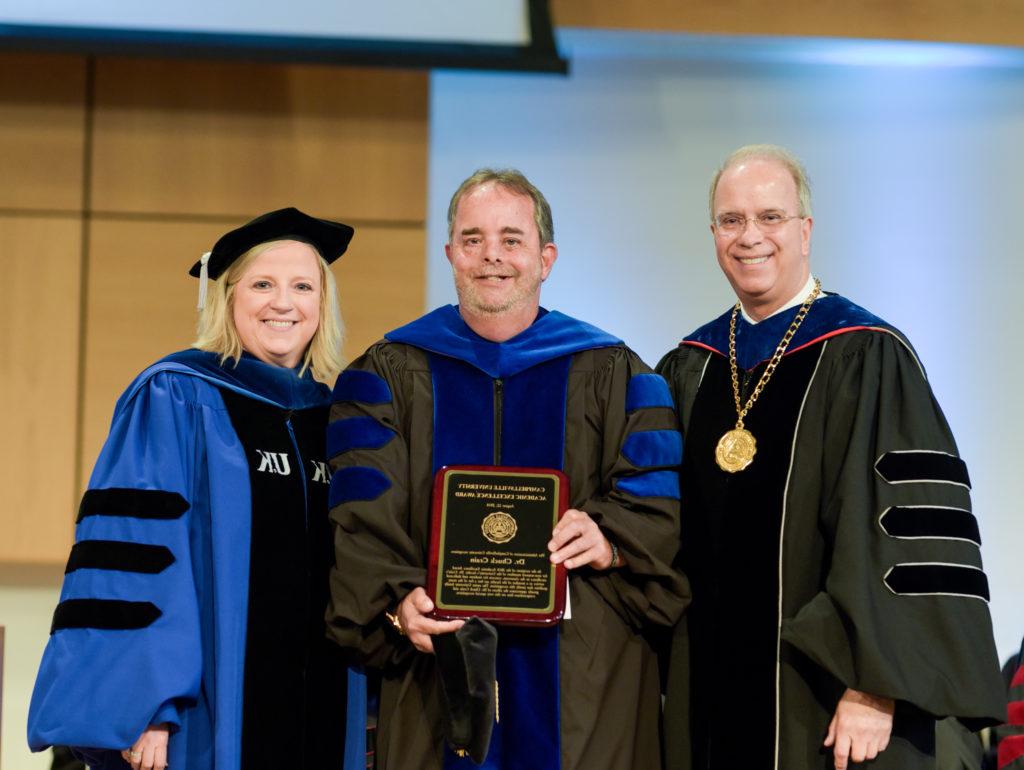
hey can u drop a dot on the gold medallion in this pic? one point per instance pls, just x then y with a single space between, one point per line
735 450
499 527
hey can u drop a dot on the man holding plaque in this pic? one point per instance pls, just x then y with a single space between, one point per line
840 608
527 405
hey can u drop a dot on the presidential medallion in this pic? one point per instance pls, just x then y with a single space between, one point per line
735 450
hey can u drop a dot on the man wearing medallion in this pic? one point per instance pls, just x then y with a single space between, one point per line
500 381
840 608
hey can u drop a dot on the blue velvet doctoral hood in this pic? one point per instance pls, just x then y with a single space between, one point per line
551 335
828 316
251 377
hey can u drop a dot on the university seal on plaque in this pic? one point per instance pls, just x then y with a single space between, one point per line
499 527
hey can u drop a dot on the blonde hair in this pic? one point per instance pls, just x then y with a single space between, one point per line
768 152
216 332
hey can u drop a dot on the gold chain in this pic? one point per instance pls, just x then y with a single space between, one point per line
741 412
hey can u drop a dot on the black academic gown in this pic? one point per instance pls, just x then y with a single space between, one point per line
846 555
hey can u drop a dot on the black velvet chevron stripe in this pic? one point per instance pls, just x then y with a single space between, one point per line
136 503
117 555
921 466
944 579
108 614
922 521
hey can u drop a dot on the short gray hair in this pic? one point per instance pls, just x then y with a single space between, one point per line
768 152
514 181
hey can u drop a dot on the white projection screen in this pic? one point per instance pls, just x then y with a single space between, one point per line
477 34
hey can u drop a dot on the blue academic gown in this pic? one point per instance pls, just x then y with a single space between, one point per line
154 623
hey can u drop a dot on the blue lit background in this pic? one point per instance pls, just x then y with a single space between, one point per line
914 151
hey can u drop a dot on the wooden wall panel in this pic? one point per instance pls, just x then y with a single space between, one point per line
237 139
141 306
995 22
42 117
160 158
381 283
38 385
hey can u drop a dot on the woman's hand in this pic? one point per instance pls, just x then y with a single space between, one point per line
149 752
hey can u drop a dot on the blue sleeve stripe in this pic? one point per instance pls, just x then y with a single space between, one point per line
651 484
647 390
135 503
357 483
652 448
109 614
356 433
364 387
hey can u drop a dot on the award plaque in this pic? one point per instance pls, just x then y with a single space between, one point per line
488 544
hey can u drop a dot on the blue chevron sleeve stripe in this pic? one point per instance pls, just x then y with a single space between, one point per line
645 391
361 386
356 433
651 484
653 448
357 482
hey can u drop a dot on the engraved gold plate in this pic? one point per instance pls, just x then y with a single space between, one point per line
499 527
735 450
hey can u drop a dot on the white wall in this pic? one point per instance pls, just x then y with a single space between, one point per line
914 152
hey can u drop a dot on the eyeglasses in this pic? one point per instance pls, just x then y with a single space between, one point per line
734 224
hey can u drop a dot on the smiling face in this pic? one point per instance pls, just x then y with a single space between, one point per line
496 255
766 269
276 303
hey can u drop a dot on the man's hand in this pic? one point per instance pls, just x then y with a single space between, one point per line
412 616
578 541
149 752
860 728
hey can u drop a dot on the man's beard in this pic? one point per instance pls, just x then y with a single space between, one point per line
470 298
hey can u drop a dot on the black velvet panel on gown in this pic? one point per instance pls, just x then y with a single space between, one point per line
731 553
295 682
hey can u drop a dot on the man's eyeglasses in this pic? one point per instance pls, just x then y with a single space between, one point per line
733 224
